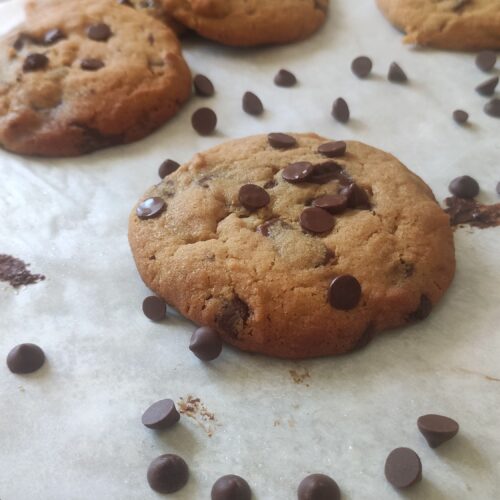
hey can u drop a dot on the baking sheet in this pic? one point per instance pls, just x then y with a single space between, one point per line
73 431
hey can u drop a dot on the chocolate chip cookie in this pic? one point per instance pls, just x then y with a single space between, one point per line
74 80
447 24
250 22
294 246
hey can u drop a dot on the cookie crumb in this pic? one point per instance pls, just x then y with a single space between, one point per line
193 407
300 376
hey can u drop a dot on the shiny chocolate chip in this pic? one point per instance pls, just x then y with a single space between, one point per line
100 32
278 140
35 62
52 36
344 292
152 207
298 172
333 203
356 196
333 149
253 197
316 220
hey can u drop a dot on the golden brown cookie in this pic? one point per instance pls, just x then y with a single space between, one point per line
76 80
447 24
294 260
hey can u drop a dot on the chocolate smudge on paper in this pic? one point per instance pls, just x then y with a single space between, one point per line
16 272
469 211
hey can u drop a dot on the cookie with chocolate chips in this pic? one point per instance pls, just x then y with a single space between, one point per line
446 24
290 250
73 80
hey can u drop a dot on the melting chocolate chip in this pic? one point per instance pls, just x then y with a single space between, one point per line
281 141
206 343
25 358
253 197
340 110
423 310
403 468
100 32
361 66
167 167
344 292
316 220
203 86
437 429
91 64
298 172
35 62
154 308
152 207
486 60
233 317
396 74
326 172
492 108
204 121
356 196
252 104
231 487
52 36
168 473
265 227
464 187
333 148
488 87
161 415
460 116
285 78
333 203
318 487
463 211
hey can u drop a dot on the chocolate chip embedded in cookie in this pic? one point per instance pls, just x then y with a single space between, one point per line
289 253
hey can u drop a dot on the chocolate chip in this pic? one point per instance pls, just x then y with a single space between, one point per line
333 148
25 358
231 487
203 86
396 74
403 468
333 203
52 36
285 78
152 207
99 32
204 121
298 172
161 415
154 308
265 227
488 87
167 167
340 110
437 429
464 187
486 60
270 184
252 104
233 317
423 310
253 197
356 196
492 108
316 220
318 487
91 64
460 116
34 62
168 473
206 343
361 66
344 292
281 141
326 172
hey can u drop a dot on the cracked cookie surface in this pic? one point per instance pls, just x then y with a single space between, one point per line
261 278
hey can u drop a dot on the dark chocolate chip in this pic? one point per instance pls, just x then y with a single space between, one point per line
464 187
318 487
270 184
437 429
91 64
357 197
344 292
460 116
203 86
326 172
396 74
298 172
333 148
252 104
206 343
333 203
488 87
492 108
152 207
281 141
285 78
233 317
100 32
161 415
340 110
52 36
423 310
204 121
231 487
403 468
361 66
168 473
25 358
154 308
253 197
316 220
486 60
167 167
35 62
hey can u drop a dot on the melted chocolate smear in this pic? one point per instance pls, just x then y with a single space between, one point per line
16 272
233 317
469 211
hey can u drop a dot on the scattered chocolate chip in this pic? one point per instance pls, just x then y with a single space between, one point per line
298 172
99 32
206 343
361 66
344 292
423 310
326 172
460 116
16 272
464 187
150 208
486 60
91 64
285 78
492 108
253 197
204 121
25 358
167 473
35 62
437 429
333 203
231 487
357 197
316 220
252 104
318 487
488 87
154 308
403 468
161 415
167 167
396 74
52 36
340 110
281 141
233 317
333 148
203 86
